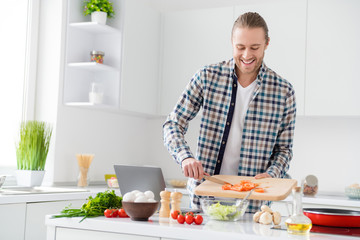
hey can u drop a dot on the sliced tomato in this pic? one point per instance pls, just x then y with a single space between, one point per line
259 190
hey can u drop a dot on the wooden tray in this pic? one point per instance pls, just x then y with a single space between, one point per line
275 188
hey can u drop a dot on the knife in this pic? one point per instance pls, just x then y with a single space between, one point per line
216 180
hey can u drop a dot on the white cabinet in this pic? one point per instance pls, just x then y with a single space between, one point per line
77 234
35 216
82 38
332 78
195 38
191 40
286 21
12 221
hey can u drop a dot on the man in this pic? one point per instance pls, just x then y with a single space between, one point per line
248 114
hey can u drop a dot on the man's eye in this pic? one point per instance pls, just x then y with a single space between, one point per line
254 49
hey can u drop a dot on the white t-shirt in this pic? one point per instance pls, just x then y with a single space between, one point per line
231 159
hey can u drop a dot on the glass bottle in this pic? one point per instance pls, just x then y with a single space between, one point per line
298 223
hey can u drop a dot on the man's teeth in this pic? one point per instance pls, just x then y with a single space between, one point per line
248 62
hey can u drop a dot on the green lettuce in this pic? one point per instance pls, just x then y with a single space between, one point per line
220 212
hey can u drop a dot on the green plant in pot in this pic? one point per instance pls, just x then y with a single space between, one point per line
99 10
31 152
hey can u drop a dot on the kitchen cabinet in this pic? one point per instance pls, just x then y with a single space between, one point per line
332 79
76 234
35 216
286 21
195 38
12 221
191 40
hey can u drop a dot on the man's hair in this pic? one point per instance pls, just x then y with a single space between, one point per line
251 20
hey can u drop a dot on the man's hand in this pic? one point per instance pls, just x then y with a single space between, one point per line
262 175
193 168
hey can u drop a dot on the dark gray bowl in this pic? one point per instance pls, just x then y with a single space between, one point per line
140 211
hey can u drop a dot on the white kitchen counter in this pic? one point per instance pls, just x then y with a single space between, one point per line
68 193
243 229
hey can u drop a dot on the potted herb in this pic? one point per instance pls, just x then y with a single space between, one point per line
99 10
31 152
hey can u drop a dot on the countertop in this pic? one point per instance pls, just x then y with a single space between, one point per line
157 227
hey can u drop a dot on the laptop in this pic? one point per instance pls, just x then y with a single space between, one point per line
142 178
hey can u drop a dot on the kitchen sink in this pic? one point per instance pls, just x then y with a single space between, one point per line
38 190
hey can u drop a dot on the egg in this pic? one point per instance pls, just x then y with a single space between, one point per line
151 200
140 194
141 199
149 194
129 197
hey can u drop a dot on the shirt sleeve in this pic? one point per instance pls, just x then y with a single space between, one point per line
282 152
177 122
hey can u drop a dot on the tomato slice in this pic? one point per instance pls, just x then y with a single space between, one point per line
259 190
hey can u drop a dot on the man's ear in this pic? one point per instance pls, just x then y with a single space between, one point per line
267 44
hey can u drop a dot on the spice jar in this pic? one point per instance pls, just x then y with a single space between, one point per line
97 56
310 185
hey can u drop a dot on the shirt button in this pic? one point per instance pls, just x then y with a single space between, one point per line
232 104
234 84
227 123
223 142
218 161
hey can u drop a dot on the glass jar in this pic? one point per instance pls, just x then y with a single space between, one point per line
298 223
310 187
97 56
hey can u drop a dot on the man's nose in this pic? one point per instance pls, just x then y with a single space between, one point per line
246 53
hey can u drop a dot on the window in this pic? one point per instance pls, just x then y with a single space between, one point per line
18 36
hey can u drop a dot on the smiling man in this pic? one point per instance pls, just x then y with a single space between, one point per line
248 114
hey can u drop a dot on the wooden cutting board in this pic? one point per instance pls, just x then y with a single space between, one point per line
275 188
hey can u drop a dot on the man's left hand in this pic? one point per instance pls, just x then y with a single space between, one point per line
262 175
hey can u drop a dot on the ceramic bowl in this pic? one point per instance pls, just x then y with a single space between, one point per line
224 209
140 211
353 192
177 183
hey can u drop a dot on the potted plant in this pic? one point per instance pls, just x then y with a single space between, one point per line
99 10
31 152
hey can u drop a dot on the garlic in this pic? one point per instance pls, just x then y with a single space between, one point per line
265 208
265 218
256 216
276 218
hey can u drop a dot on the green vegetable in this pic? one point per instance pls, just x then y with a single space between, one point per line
219 212
94 207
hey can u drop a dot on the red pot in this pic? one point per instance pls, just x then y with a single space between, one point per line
333 217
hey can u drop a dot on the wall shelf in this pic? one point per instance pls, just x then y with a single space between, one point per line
93 66
94 28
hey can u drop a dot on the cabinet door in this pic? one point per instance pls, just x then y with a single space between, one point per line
191 40
332 78
76 234
35 216
140 58
285 54
12 221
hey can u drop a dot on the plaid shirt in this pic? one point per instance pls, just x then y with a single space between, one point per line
268 128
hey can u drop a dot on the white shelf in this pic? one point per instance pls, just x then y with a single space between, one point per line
93 66
95 28
89 104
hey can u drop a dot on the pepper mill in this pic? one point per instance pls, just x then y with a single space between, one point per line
165 204
175 201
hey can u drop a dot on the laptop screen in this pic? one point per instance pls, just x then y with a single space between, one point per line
142 178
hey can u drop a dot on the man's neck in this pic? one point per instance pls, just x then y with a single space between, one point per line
245 79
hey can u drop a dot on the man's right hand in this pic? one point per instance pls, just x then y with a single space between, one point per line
193 168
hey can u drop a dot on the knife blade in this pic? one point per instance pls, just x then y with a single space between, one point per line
216 180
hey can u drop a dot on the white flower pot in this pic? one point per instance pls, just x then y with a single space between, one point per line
29 178
99 17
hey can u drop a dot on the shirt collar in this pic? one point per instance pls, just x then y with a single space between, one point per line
260 76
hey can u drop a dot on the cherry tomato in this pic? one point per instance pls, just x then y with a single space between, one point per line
189 219
175 214
108 213
189 213
114 212
122 213
181 219
198 219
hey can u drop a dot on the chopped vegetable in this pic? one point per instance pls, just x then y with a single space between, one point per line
220 212
94 207
244 185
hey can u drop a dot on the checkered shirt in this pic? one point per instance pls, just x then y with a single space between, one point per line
268 128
